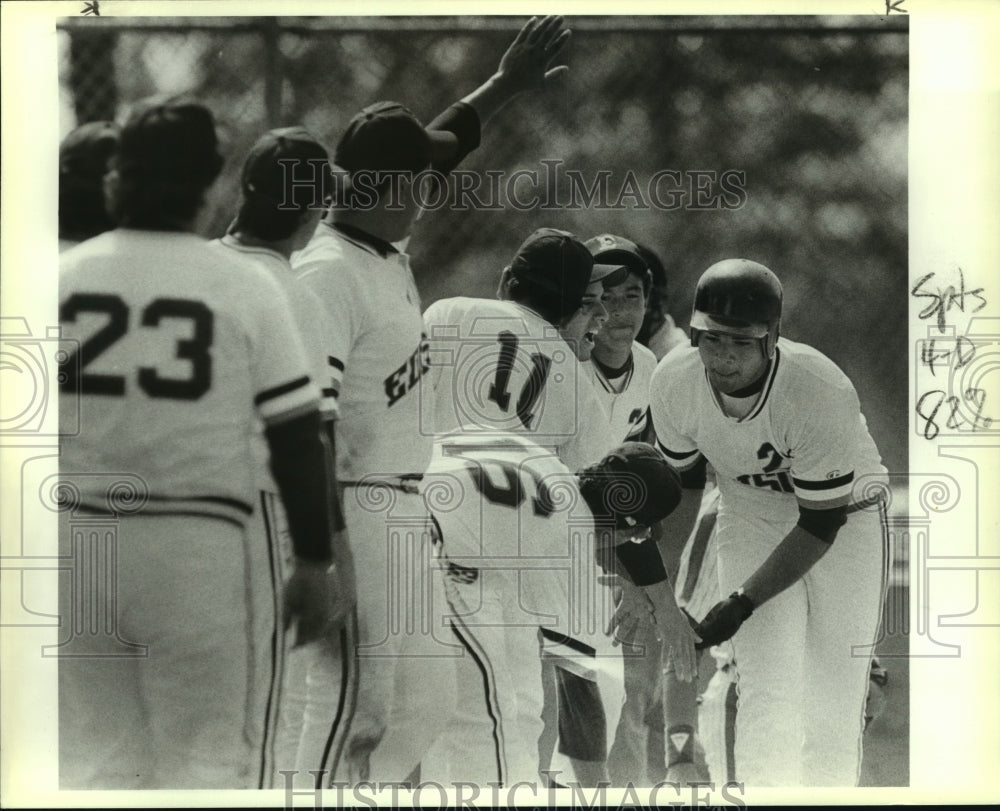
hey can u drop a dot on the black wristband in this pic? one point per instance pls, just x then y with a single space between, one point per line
744 601
642 562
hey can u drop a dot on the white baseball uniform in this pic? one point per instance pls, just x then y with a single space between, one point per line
376 353
804 442
183 354
626 398
285 701
498 365
517 550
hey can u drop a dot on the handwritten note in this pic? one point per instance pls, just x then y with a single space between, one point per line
950 396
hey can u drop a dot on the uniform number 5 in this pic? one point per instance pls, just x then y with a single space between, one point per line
194 350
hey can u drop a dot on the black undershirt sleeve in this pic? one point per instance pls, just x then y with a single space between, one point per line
695 477
462 120
642 562
302 467
824 524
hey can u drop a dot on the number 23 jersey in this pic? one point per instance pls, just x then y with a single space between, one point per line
179 352
498 366
805 441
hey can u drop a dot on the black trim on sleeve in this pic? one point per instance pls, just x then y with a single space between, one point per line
695 477
278 391
822 524
642 562
824 484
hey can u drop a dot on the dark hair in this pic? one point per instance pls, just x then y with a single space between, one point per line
656 301
167 158
261 217
84 157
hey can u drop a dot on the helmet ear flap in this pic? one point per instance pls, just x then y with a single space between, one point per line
770 341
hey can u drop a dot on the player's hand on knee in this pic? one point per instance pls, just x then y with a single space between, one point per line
724 619
309 601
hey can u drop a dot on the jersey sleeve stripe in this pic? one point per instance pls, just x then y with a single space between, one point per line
276 416
826 502
680 460
278 391
826 494
336 363
824 484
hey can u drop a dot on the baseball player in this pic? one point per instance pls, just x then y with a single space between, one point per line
284 181
357 265
514 364
84 155
517 536
183 354
801 545
620 369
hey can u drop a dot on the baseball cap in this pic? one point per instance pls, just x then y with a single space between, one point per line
281 165
172 139
614 249
386 136
633 484
557 261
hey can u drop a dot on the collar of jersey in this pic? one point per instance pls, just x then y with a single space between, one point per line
761 400
363 239
625 372
232 242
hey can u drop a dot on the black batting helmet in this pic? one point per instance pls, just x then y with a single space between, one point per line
738 297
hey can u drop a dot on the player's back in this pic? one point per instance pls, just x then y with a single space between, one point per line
497 365
512 518
180 350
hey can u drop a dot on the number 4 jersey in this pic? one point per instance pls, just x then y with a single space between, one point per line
804 442
181 353
496 365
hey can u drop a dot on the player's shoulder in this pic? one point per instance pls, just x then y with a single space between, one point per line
328 250
484 317
80 254
678 367
803 367
643 359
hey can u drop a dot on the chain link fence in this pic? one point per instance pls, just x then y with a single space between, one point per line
783 139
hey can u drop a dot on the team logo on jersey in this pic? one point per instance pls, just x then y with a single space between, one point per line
406 377
461 574
775 473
